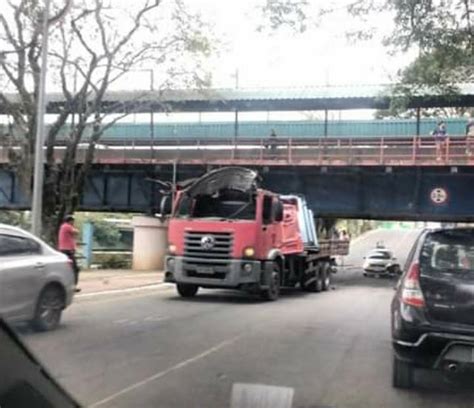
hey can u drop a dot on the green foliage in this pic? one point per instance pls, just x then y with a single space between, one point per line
113 261
16 218
358 227
106 234
91 47
442 32
291 13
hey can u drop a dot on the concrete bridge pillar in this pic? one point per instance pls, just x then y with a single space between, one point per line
150 242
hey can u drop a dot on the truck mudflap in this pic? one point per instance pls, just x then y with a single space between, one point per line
234 273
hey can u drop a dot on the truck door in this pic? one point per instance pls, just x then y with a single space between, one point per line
268 233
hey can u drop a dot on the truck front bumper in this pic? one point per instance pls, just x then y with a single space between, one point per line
228 273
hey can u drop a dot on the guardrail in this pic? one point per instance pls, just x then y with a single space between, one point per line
398 151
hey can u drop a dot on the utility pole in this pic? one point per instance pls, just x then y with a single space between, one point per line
236 114
37 201
152 118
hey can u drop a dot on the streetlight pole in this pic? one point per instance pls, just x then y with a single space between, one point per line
152 118
37 201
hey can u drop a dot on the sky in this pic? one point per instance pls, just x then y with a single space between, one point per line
320 56
282 58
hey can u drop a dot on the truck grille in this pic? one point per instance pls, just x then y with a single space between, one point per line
210 263
221 248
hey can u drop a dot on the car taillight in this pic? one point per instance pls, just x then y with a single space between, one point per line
411 290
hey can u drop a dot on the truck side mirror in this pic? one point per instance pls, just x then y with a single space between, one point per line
278 211
165 205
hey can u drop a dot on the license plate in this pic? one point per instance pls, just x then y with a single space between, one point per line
205 270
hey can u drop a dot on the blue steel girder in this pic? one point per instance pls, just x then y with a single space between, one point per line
11 196
411 193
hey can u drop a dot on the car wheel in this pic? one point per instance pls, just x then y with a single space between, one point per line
365 274
49 308
403 374
186 290
273 290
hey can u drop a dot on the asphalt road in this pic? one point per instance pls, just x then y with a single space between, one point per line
153 349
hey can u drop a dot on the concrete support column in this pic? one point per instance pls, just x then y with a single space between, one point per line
87 242
150 242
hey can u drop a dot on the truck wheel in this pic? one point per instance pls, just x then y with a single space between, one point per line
402 375
273 290
326 276
313 281
186 290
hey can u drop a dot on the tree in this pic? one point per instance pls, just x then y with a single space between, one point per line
441 31
292 13
92 47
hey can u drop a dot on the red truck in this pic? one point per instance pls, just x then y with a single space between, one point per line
227 232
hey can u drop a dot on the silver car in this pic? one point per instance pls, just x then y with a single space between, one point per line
36 281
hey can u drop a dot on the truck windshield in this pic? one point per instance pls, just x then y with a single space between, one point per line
227 204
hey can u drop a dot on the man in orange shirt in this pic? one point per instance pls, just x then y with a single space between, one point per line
67 244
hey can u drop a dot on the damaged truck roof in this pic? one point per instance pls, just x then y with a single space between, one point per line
235 178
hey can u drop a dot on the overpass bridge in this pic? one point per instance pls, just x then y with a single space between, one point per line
343 175
411 179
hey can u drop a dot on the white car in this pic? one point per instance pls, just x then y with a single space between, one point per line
36 281
380 261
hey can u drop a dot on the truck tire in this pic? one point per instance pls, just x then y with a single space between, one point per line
186 290
312 282
326 276
402 375
273 290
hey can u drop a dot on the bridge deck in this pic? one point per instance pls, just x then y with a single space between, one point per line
414 151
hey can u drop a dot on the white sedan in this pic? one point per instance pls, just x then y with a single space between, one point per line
380 262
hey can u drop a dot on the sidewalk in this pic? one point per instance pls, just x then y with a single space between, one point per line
111 280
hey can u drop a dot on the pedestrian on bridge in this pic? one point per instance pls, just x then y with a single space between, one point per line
440 134
470 127
67 244
469 136
272 143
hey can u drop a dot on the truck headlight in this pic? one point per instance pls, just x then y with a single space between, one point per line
172 248
249 252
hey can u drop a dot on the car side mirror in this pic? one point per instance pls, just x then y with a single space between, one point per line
278 211
166 205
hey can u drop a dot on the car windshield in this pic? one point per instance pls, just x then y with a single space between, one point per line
380 255
448 251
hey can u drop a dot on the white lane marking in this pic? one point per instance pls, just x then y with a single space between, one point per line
127 290
261 396
155 318
122 321
167 371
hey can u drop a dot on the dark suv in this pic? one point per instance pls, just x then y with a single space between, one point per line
433 308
